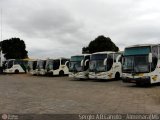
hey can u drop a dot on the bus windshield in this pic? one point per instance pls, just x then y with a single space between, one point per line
49 64
136 64
96 62
41 64
75 63
32 65
136 60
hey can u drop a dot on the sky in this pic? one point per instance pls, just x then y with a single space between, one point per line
60 28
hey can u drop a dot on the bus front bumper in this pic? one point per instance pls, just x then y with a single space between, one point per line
144 80
78 75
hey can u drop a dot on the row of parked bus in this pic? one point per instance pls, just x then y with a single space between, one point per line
137 64
37 67
100 65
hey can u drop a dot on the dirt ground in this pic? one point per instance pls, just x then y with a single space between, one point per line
62 95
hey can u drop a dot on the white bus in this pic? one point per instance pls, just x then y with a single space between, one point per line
15 66
141 64
57 67
32 64
40 68
79 66
105 65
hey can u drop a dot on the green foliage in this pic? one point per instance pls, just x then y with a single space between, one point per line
100 44
14 48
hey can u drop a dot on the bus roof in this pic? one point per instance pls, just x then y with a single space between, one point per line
59 58
104 52
41 60
141 45
81 55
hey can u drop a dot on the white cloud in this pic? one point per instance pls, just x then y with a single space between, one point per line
62 28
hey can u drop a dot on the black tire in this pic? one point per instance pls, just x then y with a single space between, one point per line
117 76
16 71
61 73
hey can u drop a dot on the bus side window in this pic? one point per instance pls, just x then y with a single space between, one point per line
34 65
56 64
115 56
120 59
109 62
155 57
44 64
63 61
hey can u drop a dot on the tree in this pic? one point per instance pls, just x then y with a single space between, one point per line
101 43
14 48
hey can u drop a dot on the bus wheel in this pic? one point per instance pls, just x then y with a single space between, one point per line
16 71
61 73
117 76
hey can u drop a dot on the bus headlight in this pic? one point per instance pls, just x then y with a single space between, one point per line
123 75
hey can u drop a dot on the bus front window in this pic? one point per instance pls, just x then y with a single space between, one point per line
141 64
92 66
71 66
100 66
96 62
75 63
128 64
41 64
136 60
136 64
49 64
30 65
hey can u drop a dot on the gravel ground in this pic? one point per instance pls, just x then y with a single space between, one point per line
62 95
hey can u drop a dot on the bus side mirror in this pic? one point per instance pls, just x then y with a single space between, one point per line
150 58
118 58
81 63
86 62
66 63
105 62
